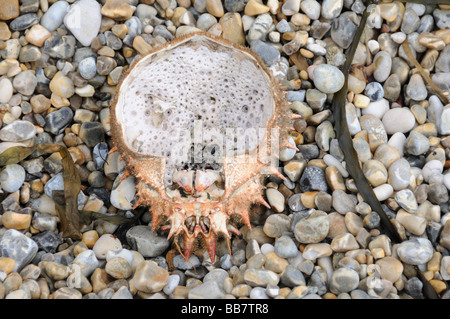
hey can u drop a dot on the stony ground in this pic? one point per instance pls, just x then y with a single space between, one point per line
59 64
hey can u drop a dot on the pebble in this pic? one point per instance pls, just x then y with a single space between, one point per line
123 193
285 247
118 268
374 91
19 247
328 78
313 228
54 16
146 242
6 90
398 120
276 225
399 174
206 290
215 8
342 31
260 27
431 168
56 121
87 261
313 179
253 8
416 89
415 251
12 178
83 20
149 277
406 199
105 243
260 277
383 62
390 268
267 52
25 82
10 10
344 280
416 143
311 8
117 9
61 47
16 220
24 22
331 9
342 202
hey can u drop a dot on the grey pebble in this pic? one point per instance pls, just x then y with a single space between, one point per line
24 22
148 243
12 177
19 247
267 52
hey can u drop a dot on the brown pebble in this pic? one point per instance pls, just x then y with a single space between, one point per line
5 33
7 265
37 35
89 238
117 9
17 221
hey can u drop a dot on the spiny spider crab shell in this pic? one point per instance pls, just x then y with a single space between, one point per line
172 111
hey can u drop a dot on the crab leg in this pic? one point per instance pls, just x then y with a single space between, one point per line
189 240
210 240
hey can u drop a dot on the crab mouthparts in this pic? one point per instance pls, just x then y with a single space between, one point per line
188 222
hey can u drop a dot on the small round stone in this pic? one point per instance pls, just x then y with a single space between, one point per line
285 247
118 268
383 62
90 238
344 280
313 228
276 199
56 271
7 265
106 243
398 120
416 89
12 177
88 68
16 220
6 90
415 251
328 78
149 277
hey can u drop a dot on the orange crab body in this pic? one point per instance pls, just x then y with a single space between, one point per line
200 83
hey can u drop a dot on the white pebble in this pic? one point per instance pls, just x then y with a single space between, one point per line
383 191
433 167
6 90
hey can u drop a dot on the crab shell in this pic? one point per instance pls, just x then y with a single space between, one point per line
242 177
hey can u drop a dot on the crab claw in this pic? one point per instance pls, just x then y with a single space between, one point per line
185 179
205 179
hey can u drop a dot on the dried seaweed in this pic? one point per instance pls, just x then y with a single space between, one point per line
351 157
346 144
65 203
423 73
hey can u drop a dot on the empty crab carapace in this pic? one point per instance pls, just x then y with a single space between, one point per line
197 121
